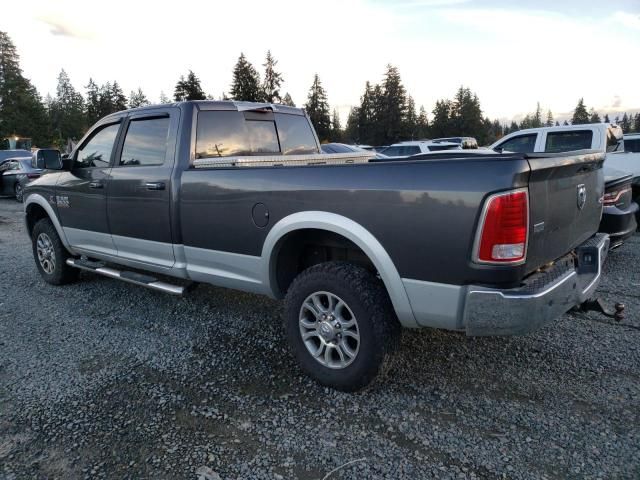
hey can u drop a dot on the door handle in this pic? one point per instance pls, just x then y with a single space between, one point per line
96 185
154 185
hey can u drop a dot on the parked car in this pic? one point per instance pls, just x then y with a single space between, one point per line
344 148
238 195
15 174
405 149
17 153
632 142
464 142
620 211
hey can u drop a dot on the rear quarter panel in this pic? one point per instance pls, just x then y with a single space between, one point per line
424 213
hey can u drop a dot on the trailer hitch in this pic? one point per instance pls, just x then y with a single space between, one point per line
598 305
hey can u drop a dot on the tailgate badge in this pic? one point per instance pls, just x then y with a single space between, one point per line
582 196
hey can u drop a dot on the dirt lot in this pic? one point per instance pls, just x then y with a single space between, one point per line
101 379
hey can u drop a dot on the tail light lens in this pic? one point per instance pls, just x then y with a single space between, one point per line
613 197
503 230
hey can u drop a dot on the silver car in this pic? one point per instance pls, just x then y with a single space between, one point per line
15 173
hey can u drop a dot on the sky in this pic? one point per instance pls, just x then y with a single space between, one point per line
512 54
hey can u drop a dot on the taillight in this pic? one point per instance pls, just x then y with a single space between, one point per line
503 230
613 197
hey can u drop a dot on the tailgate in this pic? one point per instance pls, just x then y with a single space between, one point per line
565 195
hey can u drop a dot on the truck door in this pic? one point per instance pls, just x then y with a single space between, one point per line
81 192
139 193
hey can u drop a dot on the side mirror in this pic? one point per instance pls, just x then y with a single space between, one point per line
47 159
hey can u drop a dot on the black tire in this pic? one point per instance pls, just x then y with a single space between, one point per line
19 192
60 273
376 322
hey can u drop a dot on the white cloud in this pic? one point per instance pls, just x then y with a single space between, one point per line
630 20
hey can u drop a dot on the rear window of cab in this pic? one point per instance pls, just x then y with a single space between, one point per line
235 134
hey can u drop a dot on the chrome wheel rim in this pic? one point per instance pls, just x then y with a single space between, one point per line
329 330
46 254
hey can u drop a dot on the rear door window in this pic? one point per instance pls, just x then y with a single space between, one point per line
520 144
401 151
145 143
568 140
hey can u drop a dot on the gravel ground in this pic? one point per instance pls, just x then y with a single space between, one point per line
101 379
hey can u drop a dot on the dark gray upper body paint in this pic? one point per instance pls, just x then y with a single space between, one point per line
425 213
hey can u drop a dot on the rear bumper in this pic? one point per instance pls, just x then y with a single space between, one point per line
543 297
619 224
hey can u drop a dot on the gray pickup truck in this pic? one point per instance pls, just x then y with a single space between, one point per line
238 195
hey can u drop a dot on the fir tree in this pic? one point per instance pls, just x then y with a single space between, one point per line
351 129
67 111
580 114
593 116
336 128
118 97
93 102
189 88
625 124
549 122
636 123
392 108
163 98
138 99
21 108
441 125
422 124
272 81
467 115
287 100
606 118
410 120
317 108
246 82
366 120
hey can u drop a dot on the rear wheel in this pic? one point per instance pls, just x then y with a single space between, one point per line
19 192
50 254
340 325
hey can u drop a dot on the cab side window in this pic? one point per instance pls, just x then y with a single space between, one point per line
568 141
520 144
97 151
145 143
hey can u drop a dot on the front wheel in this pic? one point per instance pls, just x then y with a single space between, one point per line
340 325
19 192
50 254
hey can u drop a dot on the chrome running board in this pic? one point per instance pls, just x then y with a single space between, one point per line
126 276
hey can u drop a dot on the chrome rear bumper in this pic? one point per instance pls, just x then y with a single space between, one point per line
544 296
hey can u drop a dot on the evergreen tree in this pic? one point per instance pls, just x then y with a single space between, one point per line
606 118
21 109
537 117
105 101
366 117
636 123
593 116
625 124
68 119
272 81
422 124
442 125
246 82
287 100
565 123
513 127
351 133
138 99
189 88
466 115
93 102
549 122
163 98
392 108
317 108
557 123
118 97
580 114
336 128
410 120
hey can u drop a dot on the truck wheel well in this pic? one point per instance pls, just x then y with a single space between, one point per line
304 248
34 213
